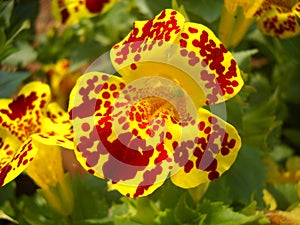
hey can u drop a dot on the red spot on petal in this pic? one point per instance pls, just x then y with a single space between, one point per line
95 6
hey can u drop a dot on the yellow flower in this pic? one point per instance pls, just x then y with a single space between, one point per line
61 80
138 129
28 123
70 12
237 16
279 18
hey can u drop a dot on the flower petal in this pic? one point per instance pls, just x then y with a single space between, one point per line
126 133
148 41
192 56
55 128
11 167
212 66
46 168
23 115
215 150
279 22
71 11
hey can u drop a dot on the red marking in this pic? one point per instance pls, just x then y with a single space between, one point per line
207 130
64 15
10 152
188 166
162 15
169 135
185 35
20 106
149 178
183 44
212 120
213 175
95 6
193 30
224 151
91 171
106 95
231 144
112 87
183 52
137 57
3 173
201 126
133 66
85 127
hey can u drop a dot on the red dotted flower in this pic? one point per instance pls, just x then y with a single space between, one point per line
72 11
149 124
26 124
279 18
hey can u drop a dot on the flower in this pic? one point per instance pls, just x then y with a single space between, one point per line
70 12
28 123
236 18
279 18
138 129
61 79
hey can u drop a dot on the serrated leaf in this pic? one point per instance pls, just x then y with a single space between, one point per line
184 214
219 214
10 82
165 217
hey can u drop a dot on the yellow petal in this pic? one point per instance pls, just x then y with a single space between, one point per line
217 147
46 168
192 57
22 116
279 22
12 167
56 128
249 7
72 11
215 69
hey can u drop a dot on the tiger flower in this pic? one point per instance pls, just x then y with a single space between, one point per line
29 125
150 124
279 18
70 12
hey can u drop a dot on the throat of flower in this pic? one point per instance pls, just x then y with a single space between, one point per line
155 107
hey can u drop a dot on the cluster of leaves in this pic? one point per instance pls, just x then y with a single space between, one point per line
263 183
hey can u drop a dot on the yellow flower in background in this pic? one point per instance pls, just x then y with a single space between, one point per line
149 124
279 18
28 123
70 12
61 80
236 18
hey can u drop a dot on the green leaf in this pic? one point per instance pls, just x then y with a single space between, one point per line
243 182
22 57
208 10
284 194
84 208
219 214
243 58
166 217
184 214
4 216
10 82
6 8
165 195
